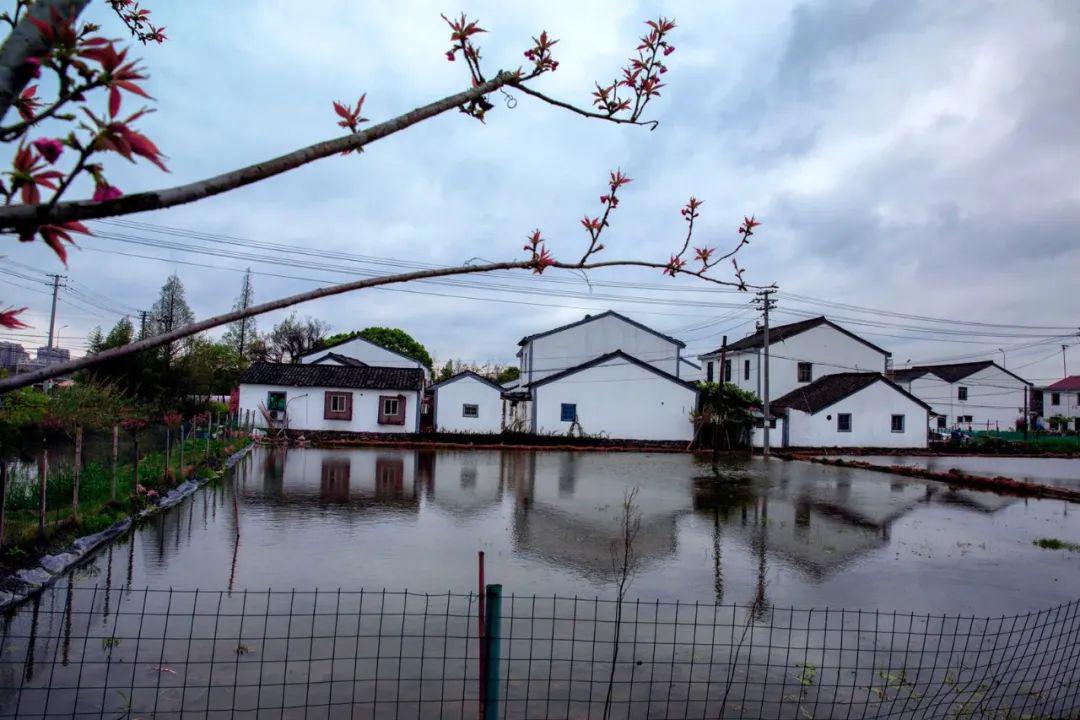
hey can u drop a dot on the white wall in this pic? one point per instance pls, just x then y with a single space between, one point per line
1068 405
369 353
449 398
617 399
305 408
830 351
871 412
565 349
995 399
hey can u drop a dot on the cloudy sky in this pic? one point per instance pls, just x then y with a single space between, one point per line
914 165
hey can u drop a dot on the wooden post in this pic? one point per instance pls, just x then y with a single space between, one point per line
135 475
181 445
43 479
168 452
76 473
492 633
115 455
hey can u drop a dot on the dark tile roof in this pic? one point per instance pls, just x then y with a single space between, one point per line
342 359
465 374
590 318
627 359
336 376
950 372
831 389
779 333
1070 383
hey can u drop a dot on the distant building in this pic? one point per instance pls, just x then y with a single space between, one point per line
13 356
969 396
48 355
360 351
467 402
1063 399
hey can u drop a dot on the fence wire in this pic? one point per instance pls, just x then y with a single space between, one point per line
102 652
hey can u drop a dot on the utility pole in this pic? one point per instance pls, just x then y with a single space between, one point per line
142 323
1064 365
764 298
52 315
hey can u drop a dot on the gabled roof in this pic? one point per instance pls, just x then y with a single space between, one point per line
467 374
830 389
369 342
617 354
590 318
1070 383
342 359
333 376
950 372
779 333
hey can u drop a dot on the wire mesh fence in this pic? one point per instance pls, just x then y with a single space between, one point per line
100 652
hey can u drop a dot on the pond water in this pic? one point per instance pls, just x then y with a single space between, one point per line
1047 471
786 533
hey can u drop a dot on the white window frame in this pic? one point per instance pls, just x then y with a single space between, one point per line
386 404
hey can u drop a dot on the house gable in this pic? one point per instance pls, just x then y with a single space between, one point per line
780 333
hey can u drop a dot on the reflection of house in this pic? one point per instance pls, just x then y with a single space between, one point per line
972 396
331 397
467 402
604 375
852 410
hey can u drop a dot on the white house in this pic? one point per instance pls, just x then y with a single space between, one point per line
857 409
332 397
568 346
970 396
1063 398
364 351
616 396
799 354
467 403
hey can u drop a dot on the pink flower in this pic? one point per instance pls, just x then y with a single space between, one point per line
104 192
50 148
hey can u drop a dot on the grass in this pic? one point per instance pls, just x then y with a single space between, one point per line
1040 443
1055 544
97 510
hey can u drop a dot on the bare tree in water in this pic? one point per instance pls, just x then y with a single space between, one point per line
624 563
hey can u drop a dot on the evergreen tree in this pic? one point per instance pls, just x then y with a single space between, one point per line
170 312
242 332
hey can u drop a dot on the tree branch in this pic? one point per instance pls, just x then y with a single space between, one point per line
18 217
25 42
651 124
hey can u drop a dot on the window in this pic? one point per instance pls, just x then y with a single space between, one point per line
275 401
961 393
470 411
391 409
746 370
727 371
843 422
709 371
337 406
568 412
806 372
1055 398
963 418
898 423
941 422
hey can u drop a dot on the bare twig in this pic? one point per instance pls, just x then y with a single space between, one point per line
651 124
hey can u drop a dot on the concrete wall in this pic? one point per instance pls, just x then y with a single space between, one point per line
571 347
829 350
369 353
1068 405
871 412
450 397
617 399
305 408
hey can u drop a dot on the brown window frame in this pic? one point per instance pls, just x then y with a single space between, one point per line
328 405
397 418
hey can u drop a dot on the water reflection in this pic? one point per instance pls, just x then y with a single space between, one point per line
750 533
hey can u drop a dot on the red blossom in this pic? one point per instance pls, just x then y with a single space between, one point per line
534 241
618 179
592 224
119 137
10 318
747 228
28 173
674 265
27 104
50 148
542 260
350 117
104 192
540 54
117 74
56 235
703 254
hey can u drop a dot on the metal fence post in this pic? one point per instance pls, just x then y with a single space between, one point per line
492 623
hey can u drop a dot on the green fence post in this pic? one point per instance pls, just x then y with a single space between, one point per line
492 623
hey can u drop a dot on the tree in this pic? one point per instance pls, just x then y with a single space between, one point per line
292 338
446 372
242 331
47 37
398 341
171 311
208 368
508 374
75 408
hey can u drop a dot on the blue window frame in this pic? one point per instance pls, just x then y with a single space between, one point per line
569 412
